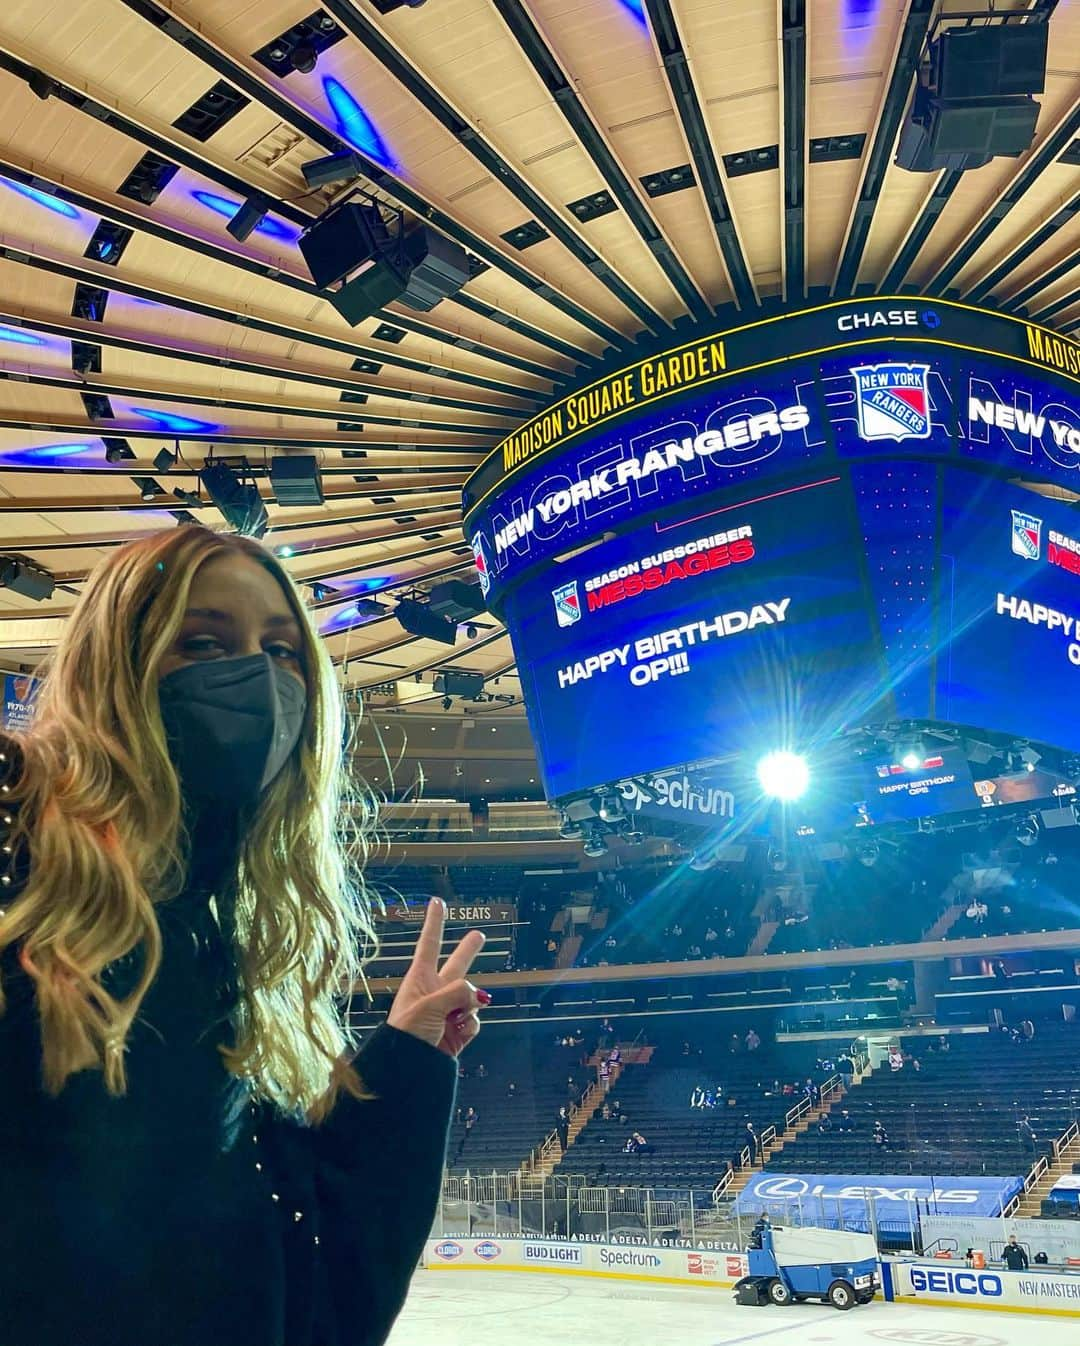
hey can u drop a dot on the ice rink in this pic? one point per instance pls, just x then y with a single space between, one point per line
462 1308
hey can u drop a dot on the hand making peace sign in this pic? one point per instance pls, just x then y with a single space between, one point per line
440 1007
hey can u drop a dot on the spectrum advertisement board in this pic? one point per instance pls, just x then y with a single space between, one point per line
786 531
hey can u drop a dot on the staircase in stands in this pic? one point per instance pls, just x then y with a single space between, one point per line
1042 1179
770 1144
547 1155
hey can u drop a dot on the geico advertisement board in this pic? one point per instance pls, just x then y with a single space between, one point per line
596 1259
964 1287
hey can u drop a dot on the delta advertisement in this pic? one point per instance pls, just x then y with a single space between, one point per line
891 1203
672 1265
688 636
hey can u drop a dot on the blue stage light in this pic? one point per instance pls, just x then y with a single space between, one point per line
636 7
52 203
165 420
20 337
354 124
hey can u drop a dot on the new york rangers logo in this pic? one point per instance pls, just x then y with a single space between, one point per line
892 401
1026 535
567 603
480 557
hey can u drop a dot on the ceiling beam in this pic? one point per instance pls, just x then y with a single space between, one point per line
109 279
1023 250
793 22
876 164
553 77
676 67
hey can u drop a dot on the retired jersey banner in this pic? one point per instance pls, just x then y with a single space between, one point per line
19 692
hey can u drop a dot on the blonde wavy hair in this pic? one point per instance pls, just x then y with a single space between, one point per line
100 814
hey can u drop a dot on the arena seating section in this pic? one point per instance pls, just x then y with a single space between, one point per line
688 1147
958 1114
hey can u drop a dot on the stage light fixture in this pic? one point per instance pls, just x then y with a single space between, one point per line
868 854
332 168
356 255
296 480
117 450
23 577
595 844
471 632
304 58
569 829
238 501
164 460
447 702
1027 831
388 6
248 218
610 808
777 860
783 775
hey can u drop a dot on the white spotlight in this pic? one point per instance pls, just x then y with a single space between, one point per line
783 775
911 760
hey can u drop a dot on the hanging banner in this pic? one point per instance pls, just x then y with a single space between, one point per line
19 692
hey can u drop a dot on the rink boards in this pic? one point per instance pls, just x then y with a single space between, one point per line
934 1283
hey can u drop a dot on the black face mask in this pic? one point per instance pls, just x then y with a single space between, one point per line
231 725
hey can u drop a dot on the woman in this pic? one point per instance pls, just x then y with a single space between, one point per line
188 1154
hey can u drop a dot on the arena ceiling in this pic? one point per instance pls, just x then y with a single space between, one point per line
613 167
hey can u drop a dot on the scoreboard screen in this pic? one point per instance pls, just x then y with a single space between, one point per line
773 535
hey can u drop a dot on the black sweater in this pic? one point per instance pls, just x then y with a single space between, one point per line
183 1215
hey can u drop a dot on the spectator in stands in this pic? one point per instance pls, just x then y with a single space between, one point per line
1014 1256
812 1091
694 951
709 1100
1001 972
1026 1134
605 1074
943 1043
896 1058
607 1028
977 911
697 1097
615 1056
471 1118
641 1143
1040 1259
1027 1028
605 1112
481 1072
562 1128
846 1124
753 1042
616 1111
751 1138
880 1136
825 1126
677 930
511 1090
711 936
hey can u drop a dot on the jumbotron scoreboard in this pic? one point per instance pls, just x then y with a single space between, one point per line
858 513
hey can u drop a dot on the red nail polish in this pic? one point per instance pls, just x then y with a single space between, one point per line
483 997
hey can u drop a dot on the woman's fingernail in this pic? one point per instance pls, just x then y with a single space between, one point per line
483 997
